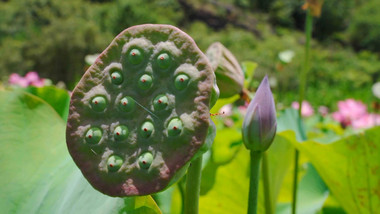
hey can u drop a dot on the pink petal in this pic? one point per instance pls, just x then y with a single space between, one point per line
23 83
32 76
39 83
14 79
323 110
306 111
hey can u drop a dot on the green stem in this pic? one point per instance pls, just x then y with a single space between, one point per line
306 64
295 182
182 192
254 181
193 184
305 69
267 192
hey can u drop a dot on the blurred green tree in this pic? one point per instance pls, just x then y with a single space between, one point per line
49 36
364 29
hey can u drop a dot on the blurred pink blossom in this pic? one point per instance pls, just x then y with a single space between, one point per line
16 79
366 121
348 111
243 108
31 78
306 111
323 110
226 110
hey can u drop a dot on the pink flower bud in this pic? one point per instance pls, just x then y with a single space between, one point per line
259 126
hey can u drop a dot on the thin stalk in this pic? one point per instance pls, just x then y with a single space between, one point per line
302 89
193 184
266 184
295 182
182 192
306 64
254 182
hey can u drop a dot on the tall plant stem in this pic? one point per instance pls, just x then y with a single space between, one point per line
295 182
193 184
254 181
182 192
267 192
302 89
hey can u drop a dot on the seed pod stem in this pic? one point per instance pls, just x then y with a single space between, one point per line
193 186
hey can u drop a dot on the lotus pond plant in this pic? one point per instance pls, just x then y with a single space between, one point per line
258 130
144 131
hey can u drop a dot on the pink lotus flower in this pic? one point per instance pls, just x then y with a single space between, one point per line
366 121
306 110
31 78
323 110
349 111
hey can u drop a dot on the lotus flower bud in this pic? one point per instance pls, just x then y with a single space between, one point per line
229 75
259 126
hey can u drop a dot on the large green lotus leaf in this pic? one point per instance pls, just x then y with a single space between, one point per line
38 175
332 206
280 159
226 144
312 194
229 193
58 98
289 120
230 182
351 169
223 101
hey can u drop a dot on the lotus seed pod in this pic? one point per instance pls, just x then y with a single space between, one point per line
229 75
259 126
215 94
93 135
127 104
164 60
146 99
114 163
145 81
120 133
160 102
181 81
145 160
135 56
175 127
98 103
147 129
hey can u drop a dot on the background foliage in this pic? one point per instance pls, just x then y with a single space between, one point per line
53 38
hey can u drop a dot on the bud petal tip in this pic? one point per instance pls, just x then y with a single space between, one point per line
259 126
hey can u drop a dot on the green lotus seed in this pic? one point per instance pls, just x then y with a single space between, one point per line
160 102
98 103
120 133
145 81
147 129
114 163
163 60
145 160
127 104
116 77
175 127
135 56
93 135
181 81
